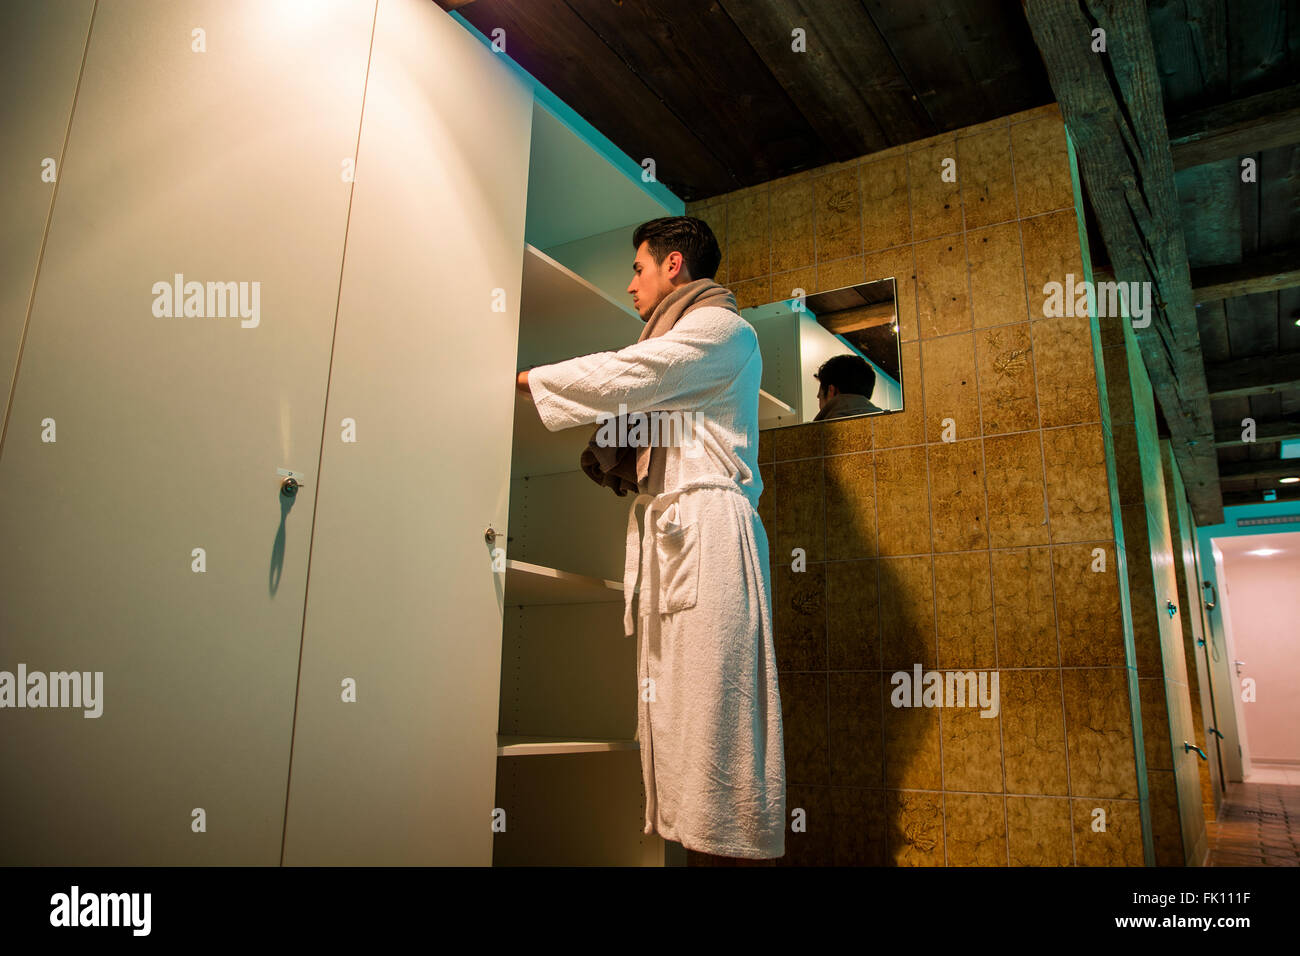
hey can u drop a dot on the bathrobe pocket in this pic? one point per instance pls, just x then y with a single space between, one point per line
679 568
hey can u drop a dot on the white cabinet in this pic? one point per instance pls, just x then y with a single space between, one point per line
569 770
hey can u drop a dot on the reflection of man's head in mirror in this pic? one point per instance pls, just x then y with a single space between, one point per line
847 382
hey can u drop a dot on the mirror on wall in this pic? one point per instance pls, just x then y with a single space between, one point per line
848 335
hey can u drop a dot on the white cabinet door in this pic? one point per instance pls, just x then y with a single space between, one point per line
143 536
403 604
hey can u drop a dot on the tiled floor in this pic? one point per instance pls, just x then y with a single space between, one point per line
1259 825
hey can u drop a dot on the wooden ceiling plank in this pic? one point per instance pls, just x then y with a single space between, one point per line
1266 470
847 84
1266 433
690 54
1191 44
1265 273
1237 128
1255 375
1123 153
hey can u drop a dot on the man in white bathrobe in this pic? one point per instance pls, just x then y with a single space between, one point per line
709 713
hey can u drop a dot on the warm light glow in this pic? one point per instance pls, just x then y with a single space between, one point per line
1265 552
1287 481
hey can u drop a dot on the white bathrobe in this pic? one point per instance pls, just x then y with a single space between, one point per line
712 750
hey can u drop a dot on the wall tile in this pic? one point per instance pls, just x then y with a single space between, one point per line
902 501
852 615
804 703
907 634
748 237
797 441
843 435
801 511
1087 604
1008 395
1121 842
1051 247
799 612
943 303
752 293
1024 609
972 747
1039 832
997 275
1017 498
784 284
1099 733
1078 491
987 186
858 824
911 746
948 370
957 495
1033 731
839 215
1042 166
793 243
936 205
886 218
964 610
840 273
716 217
915 833
850 506
856 743
975 827
1067 376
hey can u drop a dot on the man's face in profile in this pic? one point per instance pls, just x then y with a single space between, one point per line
651 281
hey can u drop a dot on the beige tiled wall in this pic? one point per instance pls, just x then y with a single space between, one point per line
970 554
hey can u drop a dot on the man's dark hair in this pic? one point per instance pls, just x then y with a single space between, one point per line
691 237
849 373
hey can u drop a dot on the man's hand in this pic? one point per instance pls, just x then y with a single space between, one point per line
521 383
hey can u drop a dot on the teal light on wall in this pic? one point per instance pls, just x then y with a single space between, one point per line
1291 448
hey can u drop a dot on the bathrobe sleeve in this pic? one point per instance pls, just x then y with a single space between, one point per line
683 369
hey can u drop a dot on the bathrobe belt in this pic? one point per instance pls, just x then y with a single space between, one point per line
641 551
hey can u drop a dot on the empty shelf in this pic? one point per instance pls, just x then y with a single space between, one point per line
532 745
531 584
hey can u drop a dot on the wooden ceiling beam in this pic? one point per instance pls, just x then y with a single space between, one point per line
1269 469
1266 433
1266 273
1113 107
1237 128
1256 375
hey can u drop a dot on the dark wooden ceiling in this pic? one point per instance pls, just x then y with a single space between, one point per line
714 92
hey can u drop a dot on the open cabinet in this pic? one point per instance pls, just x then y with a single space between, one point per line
568 766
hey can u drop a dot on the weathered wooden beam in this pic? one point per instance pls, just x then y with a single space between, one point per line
1234 129
1266 433
1114 111
1264 273
1257 375
1269 468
